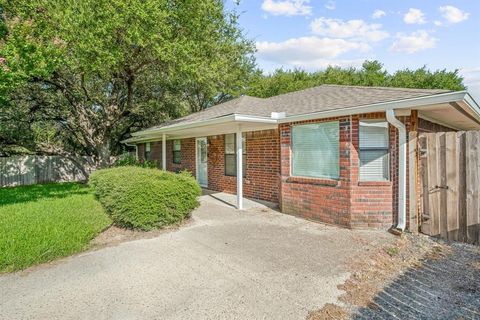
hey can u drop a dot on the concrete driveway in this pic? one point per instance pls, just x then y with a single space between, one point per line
225 264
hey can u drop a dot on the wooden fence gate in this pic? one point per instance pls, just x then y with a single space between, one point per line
449 176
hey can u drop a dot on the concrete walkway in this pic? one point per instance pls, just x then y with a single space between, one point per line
226 264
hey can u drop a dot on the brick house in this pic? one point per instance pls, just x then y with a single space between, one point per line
336 154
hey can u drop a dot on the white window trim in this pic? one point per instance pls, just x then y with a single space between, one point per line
291 152
387 149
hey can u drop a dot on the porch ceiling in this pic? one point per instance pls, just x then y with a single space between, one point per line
455 115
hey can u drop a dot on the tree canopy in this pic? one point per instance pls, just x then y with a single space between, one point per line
372 73
77 77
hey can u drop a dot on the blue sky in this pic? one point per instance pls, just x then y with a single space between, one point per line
313 34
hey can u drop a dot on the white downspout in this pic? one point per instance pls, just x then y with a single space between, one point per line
402 165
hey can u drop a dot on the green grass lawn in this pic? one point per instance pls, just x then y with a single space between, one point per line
40 223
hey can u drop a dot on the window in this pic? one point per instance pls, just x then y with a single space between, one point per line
315 150
231 155
177 146
147 153
374 151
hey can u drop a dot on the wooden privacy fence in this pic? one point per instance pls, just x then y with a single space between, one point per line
26 170
449 185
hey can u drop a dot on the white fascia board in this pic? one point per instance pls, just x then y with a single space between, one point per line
142 139
219 120
165 129
379 107
472 104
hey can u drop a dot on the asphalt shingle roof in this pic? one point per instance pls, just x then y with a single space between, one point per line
316 99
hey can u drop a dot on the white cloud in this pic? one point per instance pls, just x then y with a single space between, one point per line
330 5
413 42
307 52
377 14
453 14
287 7
353 29
414 16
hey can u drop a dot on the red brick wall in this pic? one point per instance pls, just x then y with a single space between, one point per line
348 201
427 126
141 151
263 166
187 155
372 203
263 163
325 200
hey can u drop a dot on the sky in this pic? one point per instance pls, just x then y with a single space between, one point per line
312 34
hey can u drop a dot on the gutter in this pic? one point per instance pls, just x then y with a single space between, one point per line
381 107
402 172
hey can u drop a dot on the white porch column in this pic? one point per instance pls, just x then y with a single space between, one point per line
239 168
164 151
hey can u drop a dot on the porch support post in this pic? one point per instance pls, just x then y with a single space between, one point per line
164 151
239 168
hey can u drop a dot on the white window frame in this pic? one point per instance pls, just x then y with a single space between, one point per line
234 154
385 149
147 153
175 150
292 152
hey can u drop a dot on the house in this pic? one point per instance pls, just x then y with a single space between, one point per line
336 154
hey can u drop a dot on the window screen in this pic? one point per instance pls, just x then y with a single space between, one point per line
315 150
177 146
147 153
231 155
374 151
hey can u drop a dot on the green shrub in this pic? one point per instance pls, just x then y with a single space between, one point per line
144 198
128 159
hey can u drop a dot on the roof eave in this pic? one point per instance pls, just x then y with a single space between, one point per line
383 106
448 97
223 119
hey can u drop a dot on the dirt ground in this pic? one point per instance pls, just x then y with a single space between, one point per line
379 283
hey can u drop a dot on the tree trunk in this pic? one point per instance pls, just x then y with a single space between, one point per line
103 155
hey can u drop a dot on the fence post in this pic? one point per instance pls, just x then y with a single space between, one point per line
413 181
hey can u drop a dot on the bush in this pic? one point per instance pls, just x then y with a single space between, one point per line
128 159
144 198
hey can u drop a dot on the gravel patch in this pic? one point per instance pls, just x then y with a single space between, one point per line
445 287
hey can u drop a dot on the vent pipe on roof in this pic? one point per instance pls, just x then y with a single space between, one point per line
402 165
278 115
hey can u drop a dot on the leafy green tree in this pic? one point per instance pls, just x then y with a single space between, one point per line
91 71
371 73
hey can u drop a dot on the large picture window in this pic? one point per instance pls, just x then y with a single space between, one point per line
315 150
374 151
177 147
231 155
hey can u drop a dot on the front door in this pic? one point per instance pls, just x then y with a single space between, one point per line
202 157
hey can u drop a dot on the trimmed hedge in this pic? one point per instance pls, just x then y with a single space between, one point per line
145 198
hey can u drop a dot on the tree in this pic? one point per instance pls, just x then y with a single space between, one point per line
372 73
92 71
